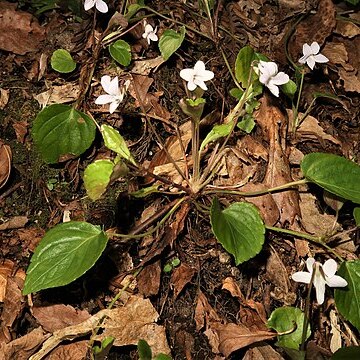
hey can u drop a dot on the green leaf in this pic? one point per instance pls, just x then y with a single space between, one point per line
102 351
236 93
145 191
356 214
162 357
247 124
217 132
196 102
347 353
289 89
333 173
170 41
60 132
97 177
167 268
115 142
62 61
348 299
243 64
65 253
144 350
175 262
239 228
120 51
132 9
284 319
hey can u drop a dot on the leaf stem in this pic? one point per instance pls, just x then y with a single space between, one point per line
289 186
315 239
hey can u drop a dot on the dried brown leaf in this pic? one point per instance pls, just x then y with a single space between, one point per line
73 351
20 32
23 347
21 130
315 27
15 222
204 313
4 98
148 280
347 29
233 337
134 321
58 94
58 316
180 277
144 67
262 351
274 126
5 163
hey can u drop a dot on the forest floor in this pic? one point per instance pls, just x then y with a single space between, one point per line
181 291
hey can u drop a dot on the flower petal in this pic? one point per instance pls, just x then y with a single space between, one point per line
310 264
187 74
200 83
303 59
89 4
319 283
273 88
307 50
153 37
336 281
113 106
320 58
114 86
330 267
104 99
199 68
311 62
105 83
191 85
315 48
148 29
270 67
302 276
280 79
206 75
101 6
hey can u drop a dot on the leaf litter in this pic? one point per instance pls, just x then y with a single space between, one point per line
231 309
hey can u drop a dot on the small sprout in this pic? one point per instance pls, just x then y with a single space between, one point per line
196 76
324 275
311 55
99 4
115 94
150 33
271 77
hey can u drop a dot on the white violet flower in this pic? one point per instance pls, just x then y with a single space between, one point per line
150 33
196 76
271 77
99 4
115 94
324 275
312 56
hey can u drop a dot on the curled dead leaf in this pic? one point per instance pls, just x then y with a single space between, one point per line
5 163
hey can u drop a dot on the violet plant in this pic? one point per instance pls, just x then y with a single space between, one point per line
239 227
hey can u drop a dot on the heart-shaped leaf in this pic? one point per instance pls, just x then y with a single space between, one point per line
65 253
97 177
356 214
284 319
62 61
333 173
170 41
115 142
243 62
60 132
239 228
120 51
347 299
